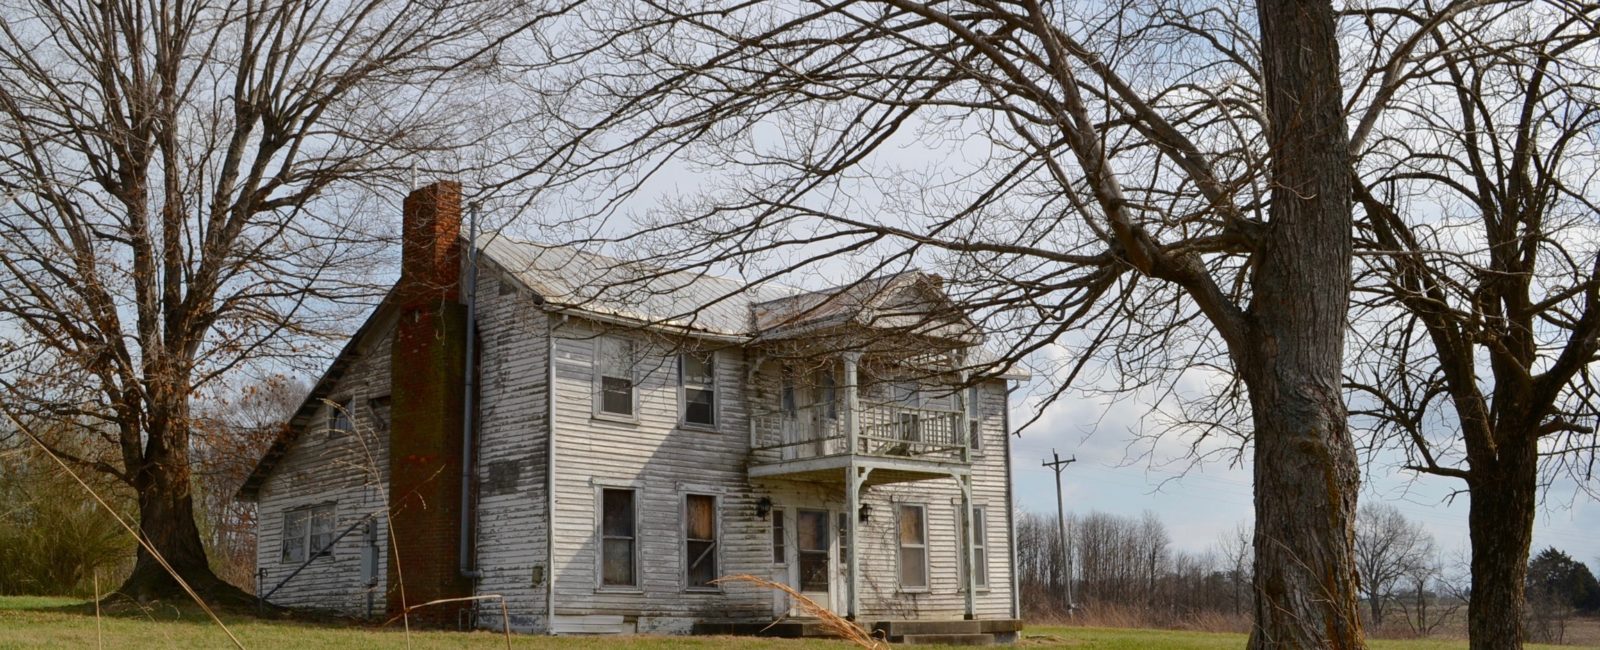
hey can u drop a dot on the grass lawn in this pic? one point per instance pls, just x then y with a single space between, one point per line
27 622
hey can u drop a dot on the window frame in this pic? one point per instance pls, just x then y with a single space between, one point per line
980 545
308 513
600 539
778 536
684 386
341 417
599 360
716 542
974 408
900 548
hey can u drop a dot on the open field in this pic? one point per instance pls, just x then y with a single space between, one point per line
49 623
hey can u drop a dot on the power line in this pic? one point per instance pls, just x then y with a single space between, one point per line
1061 520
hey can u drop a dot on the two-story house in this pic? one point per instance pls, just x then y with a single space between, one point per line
615 438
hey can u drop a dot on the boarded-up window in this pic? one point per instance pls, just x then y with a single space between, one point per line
697 377
614 391
813 550
700 541
980 548
913 547
618 540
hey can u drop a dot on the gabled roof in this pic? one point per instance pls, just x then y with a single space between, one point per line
565 278
297 424
571 278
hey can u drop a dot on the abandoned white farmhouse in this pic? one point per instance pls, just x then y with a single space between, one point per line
625 450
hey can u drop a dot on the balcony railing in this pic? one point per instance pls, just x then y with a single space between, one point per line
883 430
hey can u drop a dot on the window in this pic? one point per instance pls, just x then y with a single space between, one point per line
779 549
700 541
980 548
974 420
618 561
615 387
697 377
306 531
339 418
786 401
913 547
813 550
828 395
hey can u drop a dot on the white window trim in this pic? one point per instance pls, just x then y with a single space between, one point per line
305 537
974 406
683 539
961 557
899 546
597 362
599 538
716 394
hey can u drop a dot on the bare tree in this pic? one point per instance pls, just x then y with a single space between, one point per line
1479 292
185 195
1143 183
1389 547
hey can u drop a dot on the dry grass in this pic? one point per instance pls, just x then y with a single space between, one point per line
847 630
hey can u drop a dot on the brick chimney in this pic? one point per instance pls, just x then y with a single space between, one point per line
427 369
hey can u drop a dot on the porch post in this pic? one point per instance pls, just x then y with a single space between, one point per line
851 517
968 546
852 428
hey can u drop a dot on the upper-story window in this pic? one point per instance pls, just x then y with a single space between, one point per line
697 378
339 418
828 395
974 420
616 392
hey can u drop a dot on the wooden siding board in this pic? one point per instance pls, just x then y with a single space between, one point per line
350 470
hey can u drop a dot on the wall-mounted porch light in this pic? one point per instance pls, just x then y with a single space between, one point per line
864 513
763 508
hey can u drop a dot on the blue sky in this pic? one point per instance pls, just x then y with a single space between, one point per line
1206 501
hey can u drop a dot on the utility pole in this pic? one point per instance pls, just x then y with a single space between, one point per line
1061 519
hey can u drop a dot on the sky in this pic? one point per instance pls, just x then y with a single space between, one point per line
1207 501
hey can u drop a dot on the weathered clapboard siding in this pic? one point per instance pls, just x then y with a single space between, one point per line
664 462
512 459
944 598
351 471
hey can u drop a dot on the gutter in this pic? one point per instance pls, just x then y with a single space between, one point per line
468 409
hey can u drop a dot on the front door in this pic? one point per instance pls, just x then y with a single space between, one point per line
816 570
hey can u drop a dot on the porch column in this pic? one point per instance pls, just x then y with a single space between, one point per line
852 428
852 420
969 545
851 519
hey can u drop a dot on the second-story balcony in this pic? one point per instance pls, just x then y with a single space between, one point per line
900 442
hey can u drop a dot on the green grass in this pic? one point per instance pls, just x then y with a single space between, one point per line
31 622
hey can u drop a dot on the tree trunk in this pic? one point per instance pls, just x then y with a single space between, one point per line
166 519
1501 524
1306 474
1376 604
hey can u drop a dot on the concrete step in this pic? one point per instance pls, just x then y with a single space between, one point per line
895 629
947 639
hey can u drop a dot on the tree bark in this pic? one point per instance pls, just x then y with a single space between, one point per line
1501 524
167 522
1306 473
